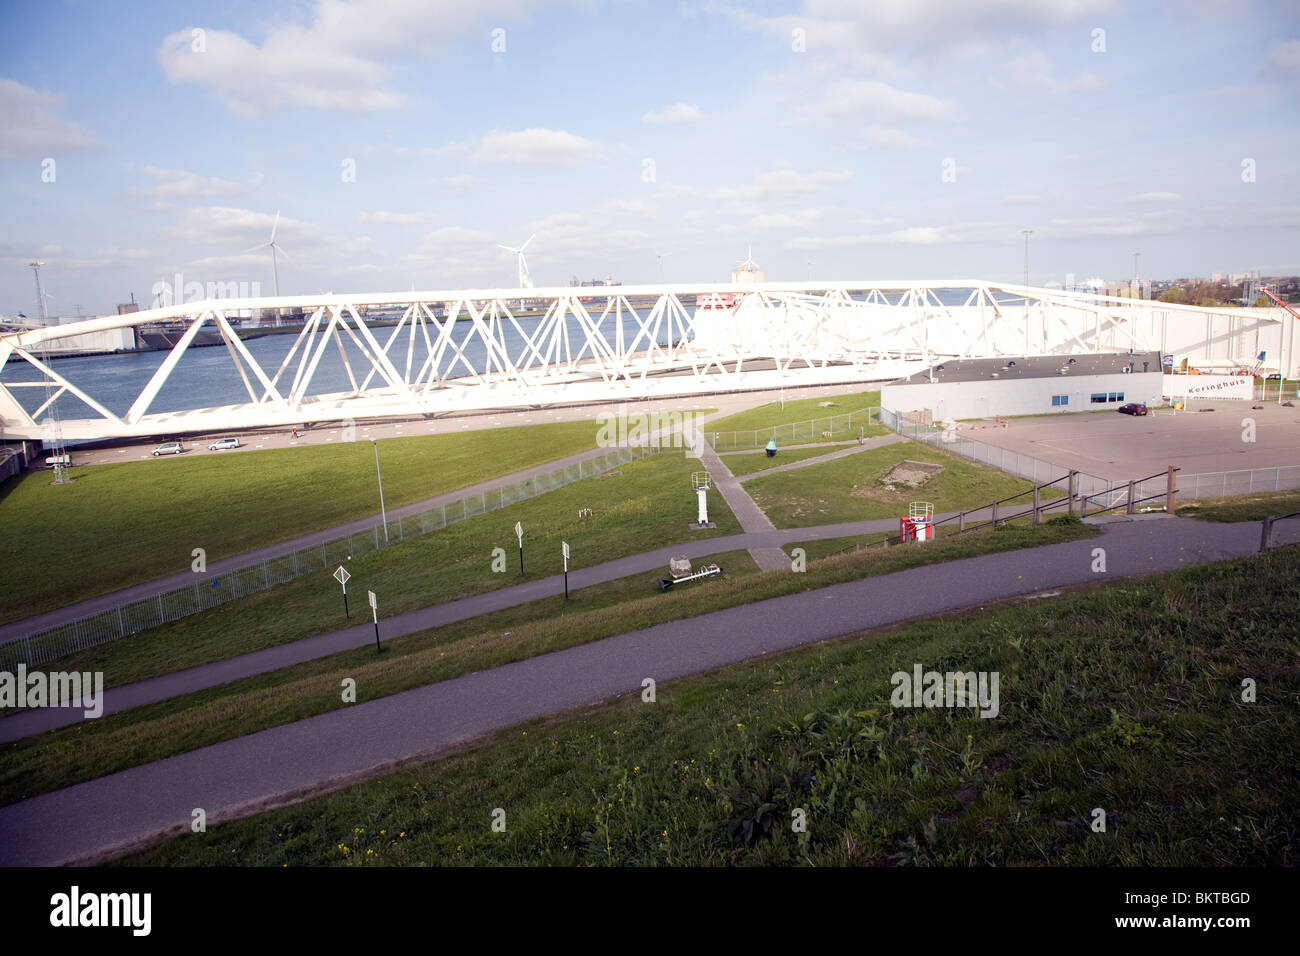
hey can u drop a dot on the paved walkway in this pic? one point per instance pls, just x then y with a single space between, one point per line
236 776
751 516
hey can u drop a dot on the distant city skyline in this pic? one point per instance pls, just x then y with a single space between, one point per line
403 143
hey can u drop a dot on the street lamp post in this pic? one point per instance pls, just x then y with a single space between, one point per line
380 475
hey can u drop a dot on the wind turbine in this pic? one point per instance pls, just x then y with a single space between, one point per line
274 247
524 281
661 256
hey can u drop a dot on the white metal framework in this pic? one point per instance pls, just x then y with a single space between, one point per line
443 351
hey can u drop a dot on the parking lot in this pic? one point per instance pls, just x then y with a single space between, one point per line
1121 447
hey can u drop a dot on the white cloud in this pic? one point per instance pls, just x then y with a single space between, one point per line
172 184
884 137
781 185
456 183
1152 223
677 113
1035 71
1154 197
536 146
1286 56
286 71
914 235
225 225
33 127
853 98
337 60
1022 198
395 218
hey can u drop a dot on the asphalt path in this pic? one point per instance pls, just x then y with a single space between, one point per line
116 699
238 776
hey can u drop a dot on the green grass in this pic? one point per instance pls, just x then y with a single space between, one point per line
1126 697
647 501
797 410
123 523
848 489
89 749
746 463
1253 507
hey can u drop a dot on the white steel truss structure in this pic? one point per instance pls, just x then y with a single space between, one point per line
411 353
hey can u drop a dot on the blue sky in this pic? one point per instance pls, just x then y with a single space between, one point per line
818 133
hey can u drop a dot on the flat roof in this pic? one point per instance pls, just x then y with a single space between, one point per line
1034 366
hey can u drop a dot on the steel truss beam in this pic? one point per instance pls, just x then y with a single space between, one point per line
462 349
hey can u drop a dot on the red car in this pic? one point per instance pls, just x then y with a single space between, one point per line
1132 408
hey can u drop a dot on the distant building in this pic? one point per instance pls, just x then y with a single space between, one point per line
1034 385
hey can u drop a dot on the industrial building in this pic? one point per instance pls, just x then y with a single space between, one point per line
1027 385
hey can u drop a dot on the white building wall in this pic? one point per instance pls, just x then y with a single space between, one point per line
1032 396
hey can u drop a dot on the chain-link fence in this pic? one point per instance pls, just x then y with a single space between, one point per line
1218 484
1013 463
816 429
208 592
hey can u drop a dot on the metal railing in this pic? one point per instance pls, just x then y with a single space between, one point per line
1216 484
972 449
212 590
1266 528
814 429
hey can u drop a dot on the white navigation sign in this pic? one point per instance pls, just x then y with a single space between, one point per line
342 577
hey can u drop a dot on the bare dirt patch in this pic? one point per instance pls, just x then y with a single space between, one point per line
898 483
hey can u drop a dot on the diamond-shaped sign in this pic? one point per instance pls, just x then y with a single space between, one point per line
342 576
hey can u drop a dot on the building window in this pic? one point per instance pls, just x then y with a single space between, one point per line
1117 396
1099 398
1059 400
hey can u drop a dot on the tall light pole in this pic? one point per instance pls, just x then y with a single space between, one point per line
1026 233
380 475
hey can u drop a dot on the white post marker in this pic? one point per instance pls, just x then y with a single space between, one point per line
519 533
342 577
564 548
374 610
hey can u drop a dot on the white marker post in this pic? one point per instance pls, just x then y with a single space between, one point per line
519 533
342 577
564 547
374 610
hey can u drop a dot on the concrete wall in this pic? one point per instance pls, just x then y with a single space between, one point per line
990 398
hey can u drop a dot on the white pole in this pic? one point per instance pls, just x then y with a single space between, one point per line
380 476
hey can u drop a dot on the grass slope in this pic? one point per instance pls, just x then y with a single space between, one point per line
1127 698
643 504
797 410
93 748
848 489
122 523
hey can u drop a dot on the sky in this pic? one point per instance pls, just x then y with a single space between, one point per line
401 141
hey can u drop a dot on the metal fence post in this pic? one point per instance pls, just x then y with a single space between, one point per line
121 627
1170 491
1038 515
1132 505
1266 527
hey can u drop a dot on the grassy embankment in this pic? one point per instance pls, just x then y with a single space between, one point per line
1126 698
643 504
90 749
123 523
849 489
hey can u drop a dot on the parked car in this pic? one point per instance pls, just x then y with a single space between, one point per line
170 448
1133 408
221 443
